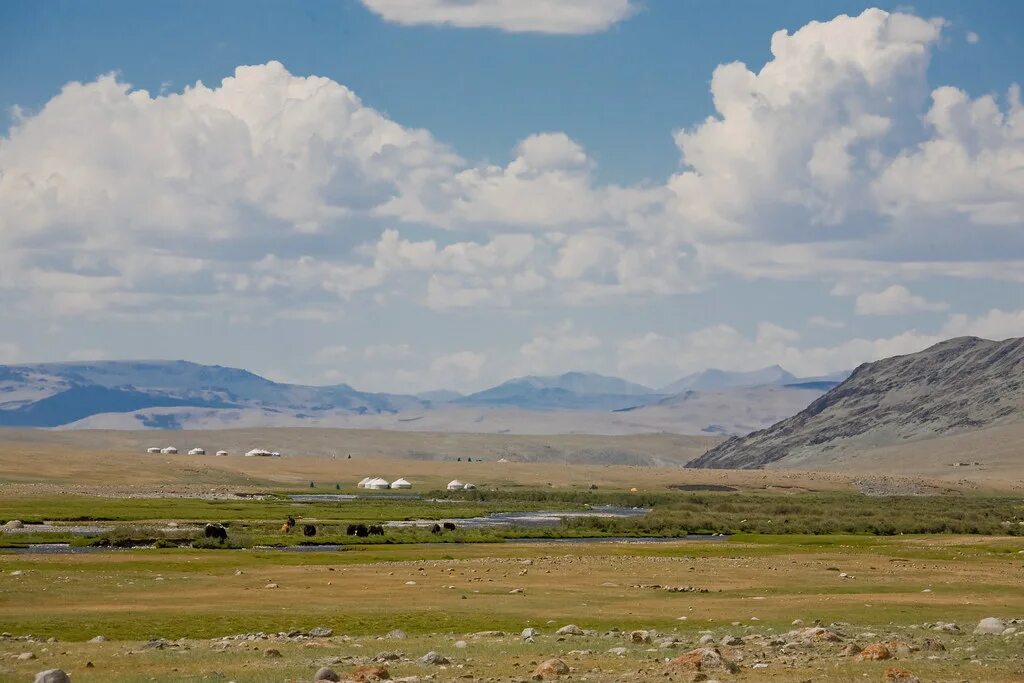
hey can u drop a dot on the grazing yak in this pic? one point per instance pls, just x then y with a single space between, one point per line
308 530
360 530
287 527
436 529
448 526
216 531
376 530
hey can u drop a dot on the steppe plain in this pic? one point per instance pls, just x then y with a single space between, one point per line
749 607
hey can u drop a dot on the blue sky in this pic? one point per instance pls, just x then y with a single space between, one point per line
503 200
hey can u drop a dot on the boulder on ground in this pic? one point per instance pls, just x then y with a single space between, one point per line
272 653
98 639
373 672
874 652
433 658
704 659
397 634
529 632
52 676
732 641
320 632
569 630
990 626
895 674
326 674
813 634
26 656
851 649
14 524
640 637
552 668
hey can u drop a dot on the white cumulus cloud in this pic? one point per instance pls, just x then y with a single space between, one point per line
540 16
895 300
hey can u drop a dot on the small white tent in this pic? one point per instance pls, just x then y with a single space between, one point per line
222 452
197 451
153 450
378 483
455 485
258 452
401 484
363 482
169 450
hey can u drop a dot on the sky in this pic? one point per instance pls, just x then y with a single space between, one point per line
406 195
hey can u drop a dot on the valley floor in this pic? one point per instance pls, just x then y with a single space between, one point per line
864 590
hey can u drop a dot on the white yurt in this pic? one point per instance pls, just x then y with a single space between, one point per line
455 485
222 452
275 454
258 453
378 483
153 449
197 451
169 450
469 487
401 484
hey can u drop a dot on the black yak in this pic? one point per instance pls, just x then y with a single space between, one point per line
448 526
436 529
308 530
216 531
362 531
350 530
376 530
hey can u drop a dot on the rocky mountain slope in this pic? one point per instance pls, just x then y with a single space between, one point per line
956 386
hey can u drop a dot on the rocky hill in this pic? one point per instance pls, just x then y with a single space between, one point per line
956 386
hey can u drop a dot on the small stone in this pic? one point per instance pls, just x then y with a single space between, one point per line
552 668
373 672
326 674
26 656
732 641
434 658
640 637
397 634
990 626
271 585
320 632
874 652
271 653
529 632
896 674
461 644
619 651
98 639
52 676
569 630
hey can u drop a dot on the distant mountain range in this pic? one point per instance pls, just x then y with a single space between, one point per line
180 394
957 386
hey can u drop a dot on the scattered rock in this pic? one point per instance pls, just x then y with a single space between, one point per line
388 656
874 652
930 645
704 659
640 637
619 651
320 632
326 674
813 634
552 668
895 673
461 644
529 632
373 672
569 630
26 656
433 658
271 653
851 650
732 641
706 639
990 626
271 585
14 524
398 634
98 639
52 676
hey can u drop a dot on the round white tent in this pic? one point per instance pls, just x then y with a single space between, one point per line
363 482
258 452
378 483
197 451
153 449
169 450
222 452
455 485
401 484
